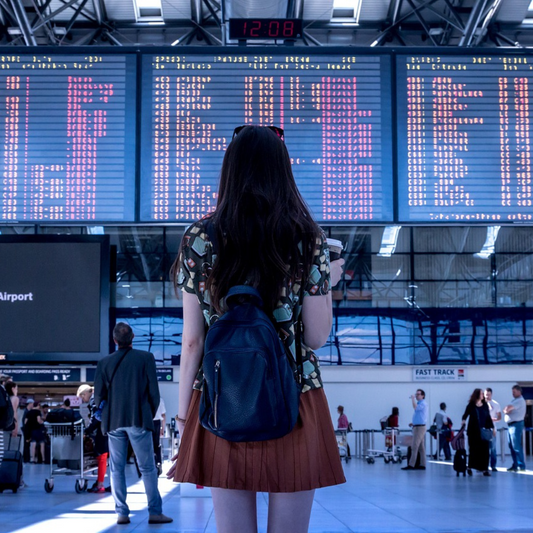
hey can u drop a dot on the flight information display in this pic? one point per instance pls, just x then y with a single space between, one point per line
335 110
464 146
69 137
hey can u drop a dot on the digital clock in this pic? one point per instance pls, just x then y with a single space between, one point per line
265 28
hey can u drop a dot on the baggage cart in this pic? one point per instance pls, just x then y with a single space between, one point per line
342 443
395 447
74 453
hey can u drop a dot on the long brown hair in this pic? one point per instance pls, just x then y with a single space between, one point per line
475 396
260 221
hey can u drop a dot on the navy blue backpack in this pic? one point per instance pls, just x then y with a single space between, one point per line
250 391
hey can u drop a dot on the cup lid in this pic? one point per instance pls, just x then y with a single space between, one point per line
335 242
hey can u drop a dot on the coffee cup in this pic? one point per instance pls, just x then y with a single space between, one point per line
335 249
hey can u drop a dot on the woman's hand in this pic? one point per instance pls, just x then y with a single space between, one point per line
336 268
170 473
463 423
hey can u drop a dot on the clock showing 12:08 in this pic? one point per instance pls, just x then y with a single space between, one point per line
265 28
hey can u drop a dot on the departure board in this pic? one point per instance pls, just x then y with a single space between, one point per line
464 147
69 137
335 110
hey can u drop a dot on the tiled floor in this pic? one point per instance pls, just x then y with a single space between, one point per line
376 498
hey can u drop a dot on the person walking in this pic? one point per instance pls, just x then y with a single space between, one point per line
265 237
419 423
496 415
478 415
126 381
515 413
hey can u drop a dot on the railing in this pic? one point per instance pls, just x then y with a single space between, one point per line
372 439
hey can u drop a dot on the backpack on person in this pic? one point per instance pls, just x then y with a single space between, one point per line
250 391
7 414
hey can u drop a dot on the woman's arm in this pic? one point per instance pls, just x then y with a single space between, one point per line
192 348
317 314
466 414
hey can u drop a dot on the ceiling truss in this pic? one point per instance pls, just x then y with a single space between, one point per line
463 23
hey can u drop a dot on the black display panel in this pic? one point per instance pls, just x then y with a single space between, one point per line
335 109
68 137
464 147
54 298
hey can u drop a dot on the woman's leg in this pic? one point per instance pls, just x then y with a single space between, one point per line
102 467
33 458
289 511
235 510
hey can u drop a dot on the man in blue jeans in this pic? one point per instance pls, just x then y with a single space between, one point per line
127 383
496 415
515 413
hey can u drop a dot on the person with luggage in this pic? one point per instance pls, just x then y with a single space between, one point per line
262 237
515 413
16 434
420 419
496 415
394 418
86 393
444 429
126 391
34 426
479 430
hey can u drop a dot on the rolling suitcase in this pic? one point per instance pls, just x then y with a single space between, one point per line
459 462
11 469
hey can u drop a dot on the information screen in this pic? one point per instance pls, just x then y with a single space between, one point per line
69 137
464 147
54 297
335 110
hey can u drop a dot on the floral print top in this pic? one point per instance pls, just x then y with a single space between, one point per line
196 260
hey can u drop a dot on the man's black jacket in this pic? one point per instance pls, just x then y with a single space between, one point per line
133 397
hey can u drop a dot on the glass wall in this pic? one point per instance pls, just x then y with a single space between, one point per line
431 295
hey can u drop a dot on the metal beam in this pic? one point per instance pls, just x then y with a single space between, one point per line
422 22
23 22
473 22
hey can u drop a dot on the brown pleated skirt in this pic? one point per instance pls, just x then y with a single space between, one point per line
307 458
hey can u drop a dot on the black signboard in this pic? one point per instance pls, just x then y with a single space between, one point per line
39 374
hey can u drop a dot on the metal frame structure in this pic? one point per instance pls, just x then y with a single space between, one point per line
462 23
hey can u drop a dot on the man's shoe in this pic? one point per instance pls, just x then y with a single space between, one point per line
486 473
512 469
420 467
408 467
159 519
494 469
122 519
108 489
521 468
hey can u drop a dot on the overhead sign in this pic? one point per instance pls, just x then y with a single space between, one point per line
163 374
446 373
39 374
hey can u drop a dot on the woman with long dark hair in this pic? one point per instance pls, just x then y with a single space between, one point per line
478 415
265 237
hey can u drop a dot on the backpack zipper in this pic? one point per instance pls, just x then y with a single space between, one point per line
217 390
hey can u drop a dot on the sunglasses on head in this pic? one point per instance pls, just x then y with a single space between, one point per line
278 131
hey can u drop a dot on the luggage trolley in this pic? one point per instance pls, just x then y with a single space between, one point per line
342 443
392 452
69 438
